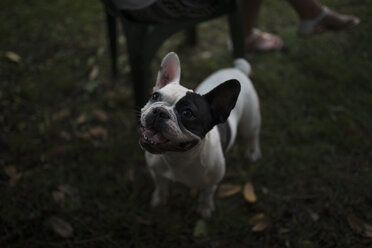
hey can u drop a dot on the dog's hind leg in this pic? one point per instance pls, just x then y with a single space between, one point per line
251 132
253 151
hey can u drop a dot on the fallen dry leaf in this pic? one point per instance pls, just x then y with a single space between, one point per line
82 135
61 227
194 192
359 226
60 114
248 192
144 221
228 189
100 114
98 131
110 94
283 230
200 228
260 226
62 191
260 222
12 56
14 176
314 216
58 150
58 196
93 72
81 119
67 189
10 170
255 219
65 135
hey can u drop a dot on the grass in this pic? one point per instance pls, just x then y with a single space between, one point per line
76 165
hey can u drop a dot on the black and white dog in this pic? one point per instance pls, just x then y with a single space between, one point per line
186 133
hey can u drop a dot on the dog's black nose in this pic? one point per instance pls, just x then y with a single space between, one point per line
161 113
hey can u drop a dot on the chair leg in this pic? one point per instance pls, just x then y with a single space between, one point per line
112 35
237 32
139 60
142 44
192 36
141 72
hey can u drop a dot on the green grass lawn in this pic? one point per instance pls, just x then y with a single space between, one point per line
73 175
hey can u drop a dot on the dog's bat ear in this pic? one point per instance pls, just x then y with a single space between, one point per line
222 100
169 72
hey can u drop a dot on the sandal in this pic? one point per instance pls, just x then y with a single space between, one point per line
327 20
259 41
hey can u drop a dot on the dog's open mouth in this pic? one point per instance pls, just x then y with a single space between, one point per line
152 136
155 142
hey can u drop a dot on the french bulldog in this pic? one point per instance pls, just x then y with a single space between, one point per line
185 134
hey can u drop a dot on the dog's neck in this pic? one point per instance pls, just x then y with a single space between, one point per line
192 166
202 149
191 154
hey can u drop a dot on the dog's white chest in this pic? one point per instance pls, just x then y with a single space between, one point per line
190 173
194 169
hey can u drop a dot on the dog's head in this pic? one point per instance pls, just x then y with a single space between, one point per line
175 118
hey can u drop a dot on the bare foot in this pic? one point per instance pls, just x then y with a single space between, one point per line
259 41
336 21
327 20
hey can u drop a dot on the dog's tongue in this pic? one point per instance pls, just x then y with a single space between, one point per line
154 136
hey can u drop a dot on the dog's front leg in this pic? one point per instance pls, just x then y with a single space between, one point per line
160 195
206 202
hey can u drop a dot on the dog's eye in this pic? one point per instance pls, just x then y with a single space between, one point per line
155 96
188 113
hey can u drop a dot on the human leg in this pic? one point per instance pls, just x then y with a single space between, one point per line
256 40
315 18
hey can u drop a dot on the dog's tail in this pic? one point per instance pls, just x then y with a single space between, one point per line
243 66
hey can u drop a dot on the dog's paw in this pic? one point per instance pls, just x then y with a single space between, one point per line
253 155
205 211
